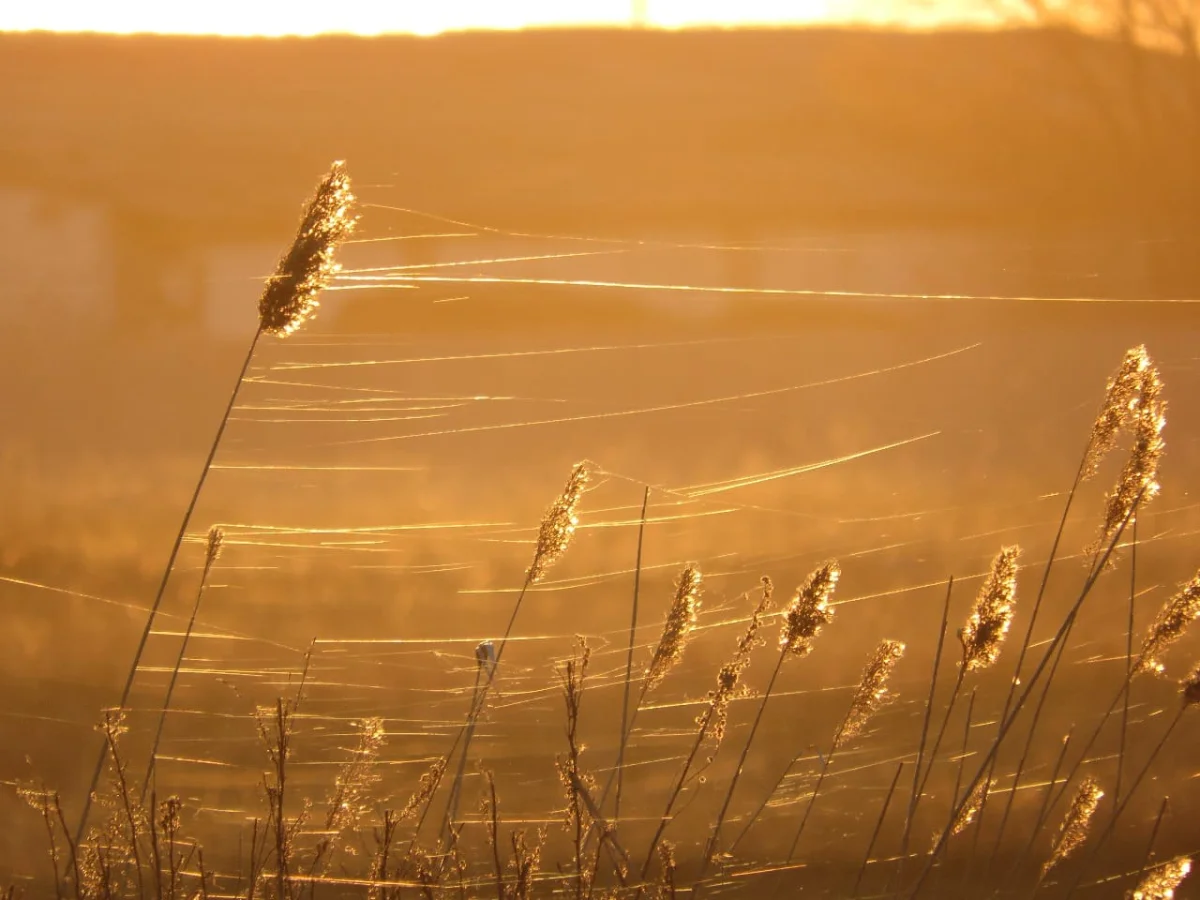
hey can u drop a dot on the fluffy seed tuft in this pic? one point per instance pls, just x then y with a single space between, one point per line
1169 625
872 690
681 620
290 296
992 615
1161 883
558 525
1074 829
809 610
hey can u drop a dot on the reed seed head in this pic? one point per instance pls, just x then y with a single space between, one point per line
681 621
216 537
558 525
1074 828
809 610
425 789
1161 883
1138 482
1120 400
992 615
970 810
716 716
1169 625
290 295
872 690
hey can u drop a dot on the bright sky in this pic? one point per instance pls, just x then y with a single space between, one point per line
304 17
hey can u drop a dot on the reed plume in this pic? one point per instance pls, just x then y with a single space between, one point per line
1162 882
1120 402
872 692
290 297
992 616
1169 625
677 629
426 788
576 782
969 811
1138 482
809 611
558 525
713 720
1074 828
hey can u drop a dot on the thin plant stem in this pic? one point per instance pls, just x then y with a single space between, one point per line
918 784
954 694
878 827
1020 770
1006 722
1043 811
1128 664
162 716
162 586
637 583
962 756
714 838
1162 810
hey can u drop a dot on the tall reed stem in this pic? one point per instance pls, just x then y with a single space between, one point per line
878 827
162 586
625 724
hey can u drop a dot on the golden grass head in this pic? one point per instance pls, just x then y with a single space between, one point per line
558 525
290 295
969 811
716 717
681 621
1138 482
809 610
425 789
1120 401
1161 883
216 537
992 615
1169 625
872 692
1073 831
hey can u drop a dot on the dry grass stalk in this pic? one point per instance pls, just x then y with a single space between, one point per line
713 720
681 620
526 859
1169 625
426 788
1120 403
578 822
275 725
872 692
558 525
1162 882
1074 828
347 803
992 615
666 874
809 611
381 871
290 295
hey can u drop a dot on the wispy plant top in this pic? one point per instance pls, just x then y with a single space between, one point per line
1169 625
1120 404
558 525
992 615
681 620
1074 829
1161 883
290 296
872 690
809 610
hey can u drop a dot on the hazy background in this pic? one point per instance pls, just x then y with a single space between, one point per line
1021 205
